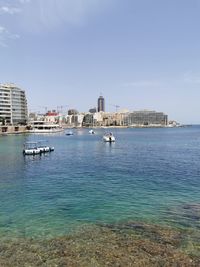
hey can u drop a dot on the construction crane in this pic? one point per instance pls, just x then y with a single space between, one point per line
45 108
60 108
116 107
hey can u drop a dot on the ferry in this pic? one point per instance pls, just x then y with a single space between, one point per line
44 127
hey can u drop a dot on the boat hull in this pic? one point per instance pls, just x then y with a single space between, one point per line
45 131
35 151
35 148
109 139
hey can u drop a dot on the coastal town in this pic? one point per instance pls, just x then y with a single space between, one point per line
99 133
16 118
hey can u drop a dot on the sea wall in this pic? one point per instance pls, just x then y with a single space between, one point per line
12 129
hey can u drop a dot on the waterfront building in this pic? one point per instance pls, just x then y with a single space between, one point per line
35 116
52 113
74 120
80 120
52 116
146 118
133 119
93 119
88 120
101 104
72 112
32 116
108 119
13 105
98 118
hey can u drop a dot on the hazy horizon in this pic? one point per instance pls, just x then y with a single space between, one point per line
139 54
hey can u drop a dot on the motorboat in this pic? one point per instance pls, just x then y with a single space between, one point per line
69 133
91 131
44 127
108 137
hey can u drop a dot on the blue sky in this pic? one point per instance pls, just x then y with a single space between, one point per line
140 54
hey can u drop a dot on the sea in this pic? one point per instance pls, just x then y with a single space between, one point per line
149 176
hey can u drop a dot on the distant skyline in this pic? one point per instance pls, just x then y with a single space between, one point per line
138 54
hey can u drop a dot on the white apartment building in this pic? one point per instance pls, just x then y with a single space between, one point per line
13 104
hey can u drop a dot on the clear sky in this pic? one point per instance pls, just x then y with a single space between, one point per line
140 54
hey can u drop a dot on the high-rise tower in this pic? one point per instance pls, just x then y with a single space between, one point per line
13 104
101 104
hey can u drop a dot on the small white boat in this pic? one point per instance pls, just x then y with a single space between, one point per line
109 137
91 131
31 148
35 148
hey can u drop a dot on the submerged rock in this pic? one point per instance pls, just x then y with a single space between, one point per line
186 215
129 244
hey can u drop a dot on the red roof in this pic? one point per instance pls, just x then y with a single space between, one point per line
51 114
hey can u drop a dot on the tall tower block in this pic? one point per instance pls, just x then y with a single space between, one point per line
101 104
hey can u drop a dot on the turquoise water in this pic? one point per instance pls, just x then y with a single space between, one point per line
150 175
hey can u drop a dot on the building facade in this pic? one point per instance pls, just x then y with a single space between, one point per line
13 105
146 118
101 104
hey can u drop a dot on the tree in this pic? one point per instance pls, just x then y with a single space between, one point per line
2 120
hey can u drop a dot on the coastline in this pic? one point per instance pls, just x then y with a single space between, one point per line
10 130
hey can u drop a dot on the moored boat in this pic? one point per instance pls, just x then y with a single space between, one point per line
69 133
91 131
35 148
108 137
43 127
31 148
